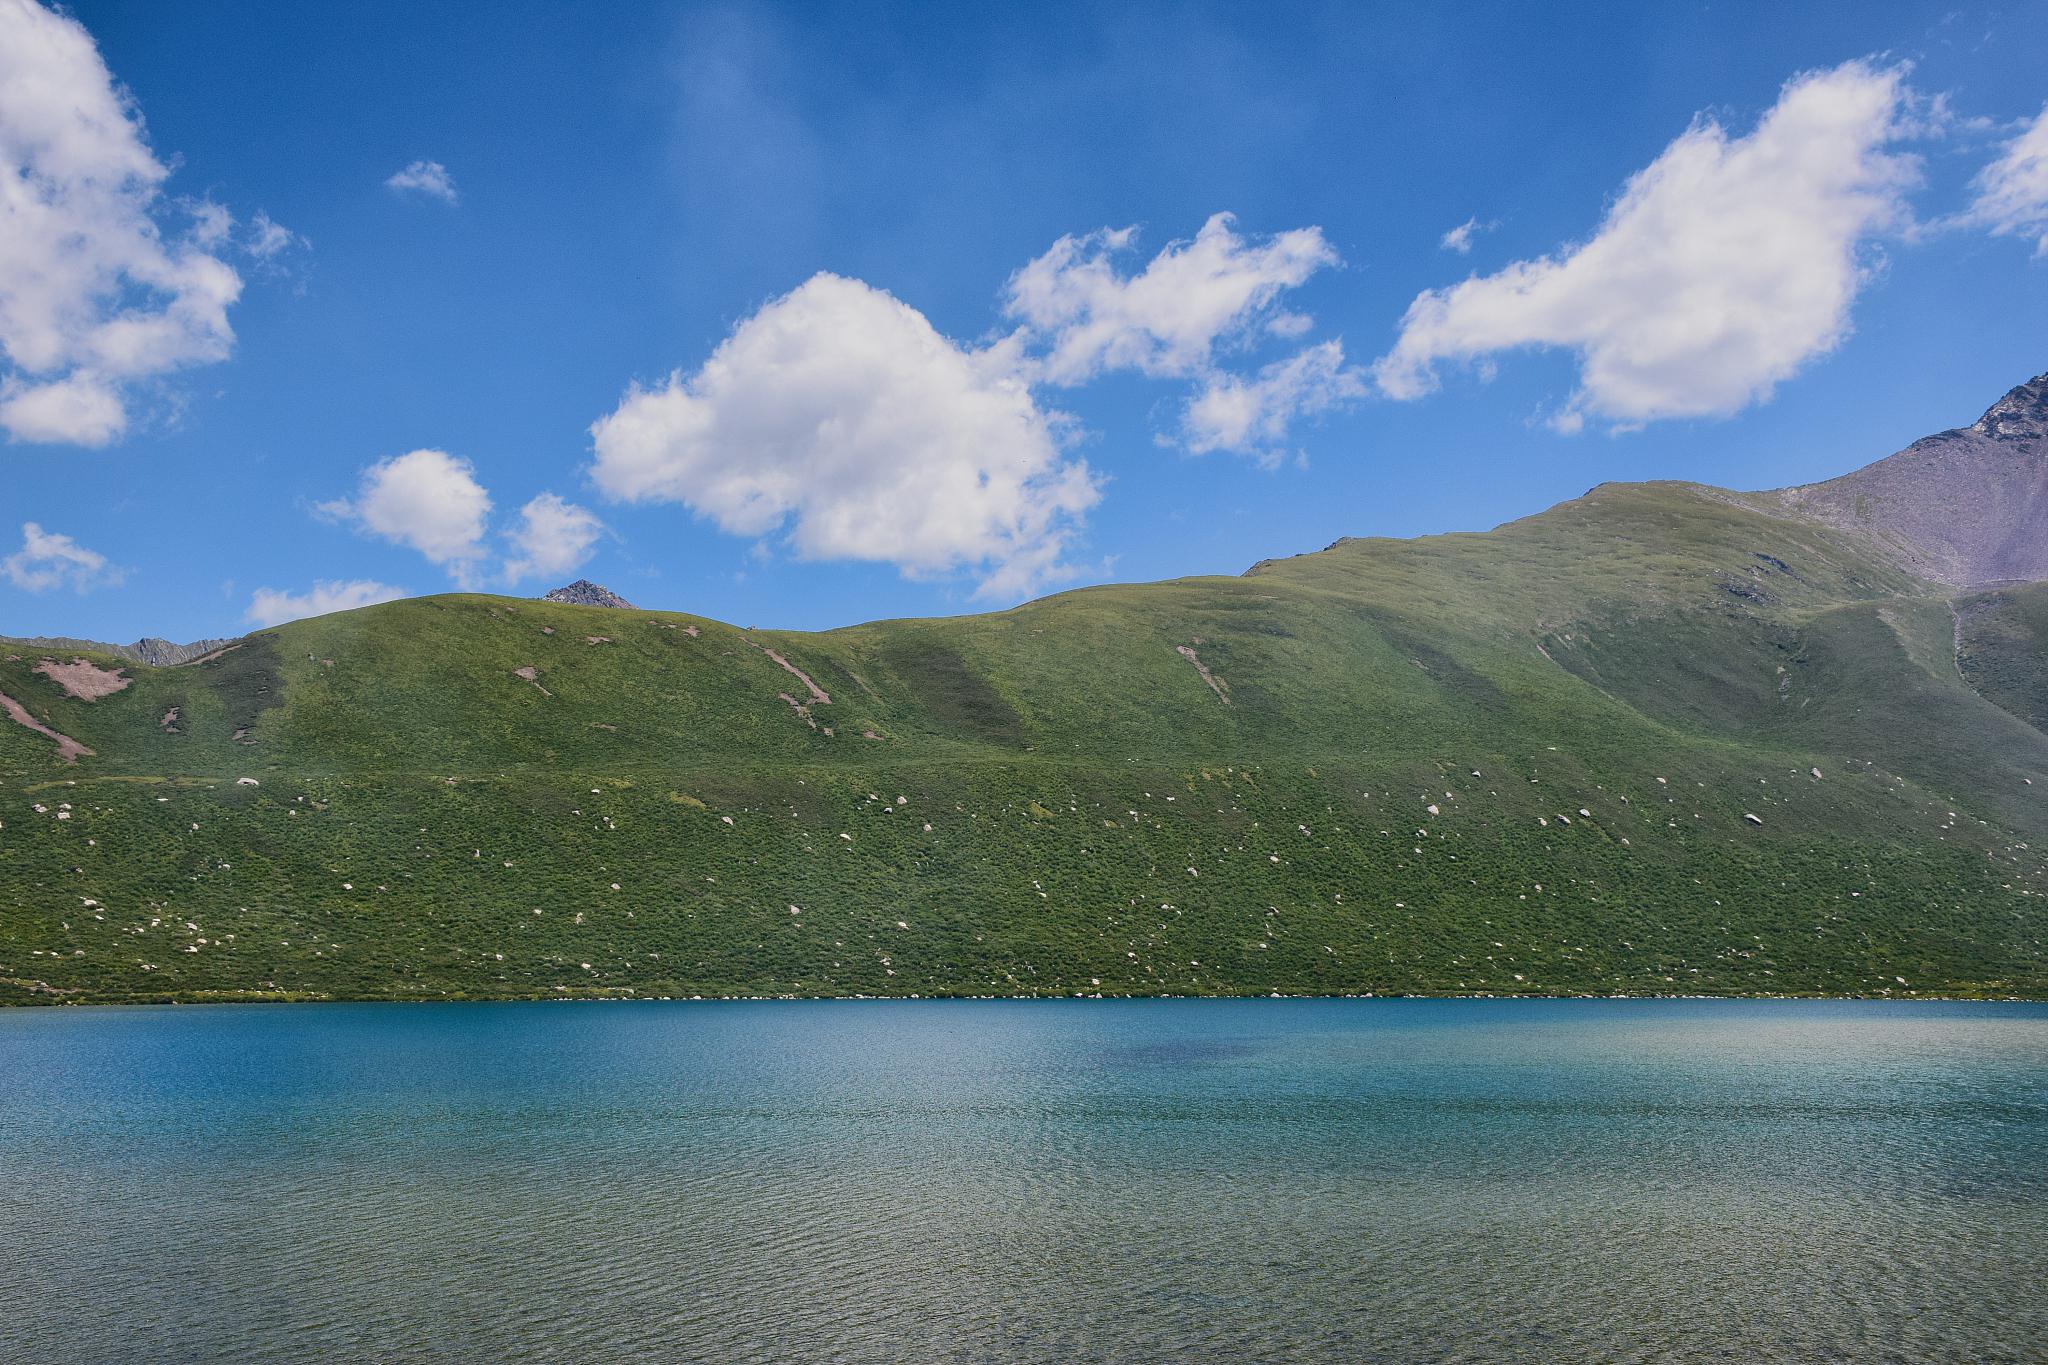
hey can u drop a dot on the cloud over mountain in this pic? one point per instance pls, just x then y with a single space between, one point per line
840 417
432 502
49 560
273 606
1720 269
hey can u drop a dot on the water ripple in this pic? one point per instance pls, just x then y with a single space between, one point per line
990 1183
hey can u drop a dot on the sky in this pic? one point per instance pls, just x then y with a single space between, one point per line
802 315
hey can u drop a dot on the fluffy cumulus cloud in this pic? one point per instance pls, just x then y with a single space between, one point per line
428 178
104 284
77 409
1193 308
427 500
272 606
2012 192
552 538
840 417
48 560
1254 414
432 502
1169 318
1722 267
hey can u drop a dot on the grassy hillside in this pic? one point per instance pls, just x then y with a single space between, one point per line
1574 754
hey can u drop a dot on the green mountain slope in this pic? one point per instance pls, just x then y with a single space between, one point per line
1660 738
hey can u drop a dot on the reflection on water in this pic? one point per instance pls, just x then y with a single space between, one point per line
992 1181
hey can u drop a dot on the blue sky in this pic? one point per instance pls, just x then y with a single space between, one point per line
396 298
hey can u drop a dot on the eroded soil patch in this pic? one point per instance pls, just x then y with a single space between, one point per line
818 693
84 679
67 747
1216 684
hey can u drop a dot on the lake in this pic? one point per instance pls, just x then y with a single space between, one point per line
993 1181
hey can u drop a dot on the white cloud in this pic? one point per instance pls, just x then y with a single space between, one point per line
430 178
840 413
1168 319
432 502
48 560
1195 300
272 606
1253 415
2012 192
428 500
94 293
839 419
553 537
78 409
1724 265
1459 238
211 223
213 227
268 237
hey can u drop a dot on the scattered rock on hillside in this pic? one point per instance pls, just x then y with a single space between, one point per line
584 593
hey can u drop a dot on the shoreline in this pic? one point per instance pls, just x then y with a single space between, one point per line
284 999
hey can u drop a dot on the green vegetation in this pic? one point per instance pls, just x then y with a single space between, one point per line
1575 754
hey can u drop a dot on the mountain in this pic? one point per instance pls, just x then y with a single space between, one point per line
1659 738
584 593
1968 508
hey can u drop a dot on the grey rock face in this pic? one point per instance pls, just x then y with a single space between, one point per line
1967 507
164 654
2021 415
584 593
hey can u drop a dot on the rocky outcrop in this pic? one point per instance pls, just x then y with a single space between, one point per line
2021 415
1968 507
584 593
165 654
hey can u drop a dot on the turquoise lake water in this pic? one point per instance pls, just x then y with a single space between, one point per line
1007 1181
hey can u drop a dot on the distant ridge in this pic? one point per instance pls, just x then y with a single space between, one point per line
150 649
584 593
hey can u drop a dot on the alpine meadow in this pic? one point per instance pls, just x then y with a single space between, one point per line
1660 739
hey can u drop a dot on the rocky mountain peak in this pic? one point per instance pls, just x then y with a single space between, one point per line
162 653
2021 415
1968 507
584 593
